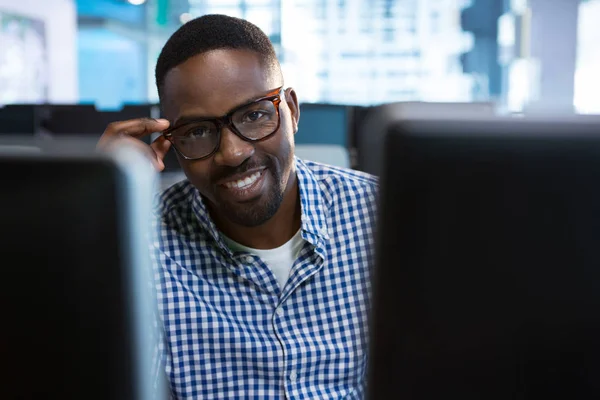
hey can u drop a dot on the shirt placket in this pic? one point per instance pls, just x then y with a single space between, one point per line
252 269
305 269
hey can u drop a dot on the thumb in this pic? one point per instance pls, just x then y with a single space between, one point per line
161 146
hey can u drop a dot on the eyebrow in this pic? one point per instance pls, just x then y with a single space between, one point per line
191 118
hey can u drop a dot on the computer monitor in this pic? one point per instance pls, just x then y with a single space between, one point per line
75 299
487 279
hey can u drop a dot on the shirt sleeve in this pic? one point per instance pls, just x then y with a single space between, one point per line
161 359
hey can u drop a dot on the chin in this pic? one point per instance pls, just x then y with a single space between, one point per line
252 214
248 219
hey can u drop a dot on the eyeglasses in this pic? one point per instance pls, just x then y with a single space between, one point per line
252 122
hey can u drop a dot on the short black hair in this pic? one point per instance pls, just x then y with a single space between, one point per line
212 32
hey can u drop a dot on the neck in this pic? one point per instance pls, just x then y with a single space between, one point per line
276 231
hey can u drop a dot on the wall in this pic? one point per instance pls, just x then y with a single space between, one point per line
111 69
61 34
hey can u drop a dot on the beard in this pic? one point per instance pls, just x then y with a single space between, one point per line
256 212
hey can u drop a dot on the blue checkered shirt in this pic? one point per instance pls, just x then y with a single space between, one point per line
230 332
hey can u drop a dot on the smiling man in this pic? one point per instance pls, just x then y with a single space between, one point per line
262 259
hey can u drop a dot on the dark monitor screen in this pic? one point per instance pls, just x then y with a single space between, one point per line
73 304
323 124
487 283
18 119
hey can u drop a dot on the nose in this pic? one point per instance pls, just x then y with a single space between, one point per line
233 150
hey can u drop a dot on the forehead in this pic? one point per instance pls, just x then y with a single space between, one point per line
212 83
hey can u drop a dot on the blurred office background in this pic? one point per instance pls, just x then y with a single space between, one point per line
342 56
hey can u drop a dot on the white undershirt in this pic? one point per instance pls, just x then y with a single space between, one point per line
280 260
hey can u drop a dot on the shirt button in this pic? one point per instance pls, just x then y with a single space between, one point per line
293 377
279 311
249 259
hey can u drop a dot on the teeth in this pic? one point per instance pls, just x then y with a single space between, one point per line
242 183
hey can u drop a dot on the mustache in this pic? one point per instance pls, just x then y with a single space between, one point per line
225 173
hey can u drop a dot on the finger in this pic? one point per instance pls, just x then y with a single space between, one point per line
161 146
131 128
138 127
135 127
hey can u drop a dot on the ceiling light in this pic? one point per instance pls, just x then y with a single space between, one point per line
185 17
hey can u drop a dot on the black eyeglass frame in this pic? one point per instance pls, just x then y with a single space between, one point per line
226 121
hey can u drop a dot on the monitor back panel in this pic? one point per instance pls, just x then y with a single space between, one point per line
488 273
65 319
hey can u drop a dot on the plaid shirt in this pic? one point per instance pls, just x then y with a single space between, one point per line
230 332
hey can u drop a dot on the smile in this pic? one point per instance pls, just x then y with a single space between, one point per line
243 183
245 188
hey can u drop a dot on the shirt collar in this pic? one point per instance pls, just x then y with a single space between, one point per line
313 211
313 208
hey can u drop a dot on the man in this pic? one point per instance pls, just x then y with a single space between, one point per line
262 260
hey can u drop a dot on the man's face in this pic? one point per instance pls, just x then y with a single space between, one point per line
244 182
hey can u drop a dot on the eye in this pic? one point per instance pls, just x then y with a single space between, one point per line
254 116
199 132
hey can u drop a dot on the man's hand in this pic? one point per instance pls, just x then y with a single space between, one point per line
132 131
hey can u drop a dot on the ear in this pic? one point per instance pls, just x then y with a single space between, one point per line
292 102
